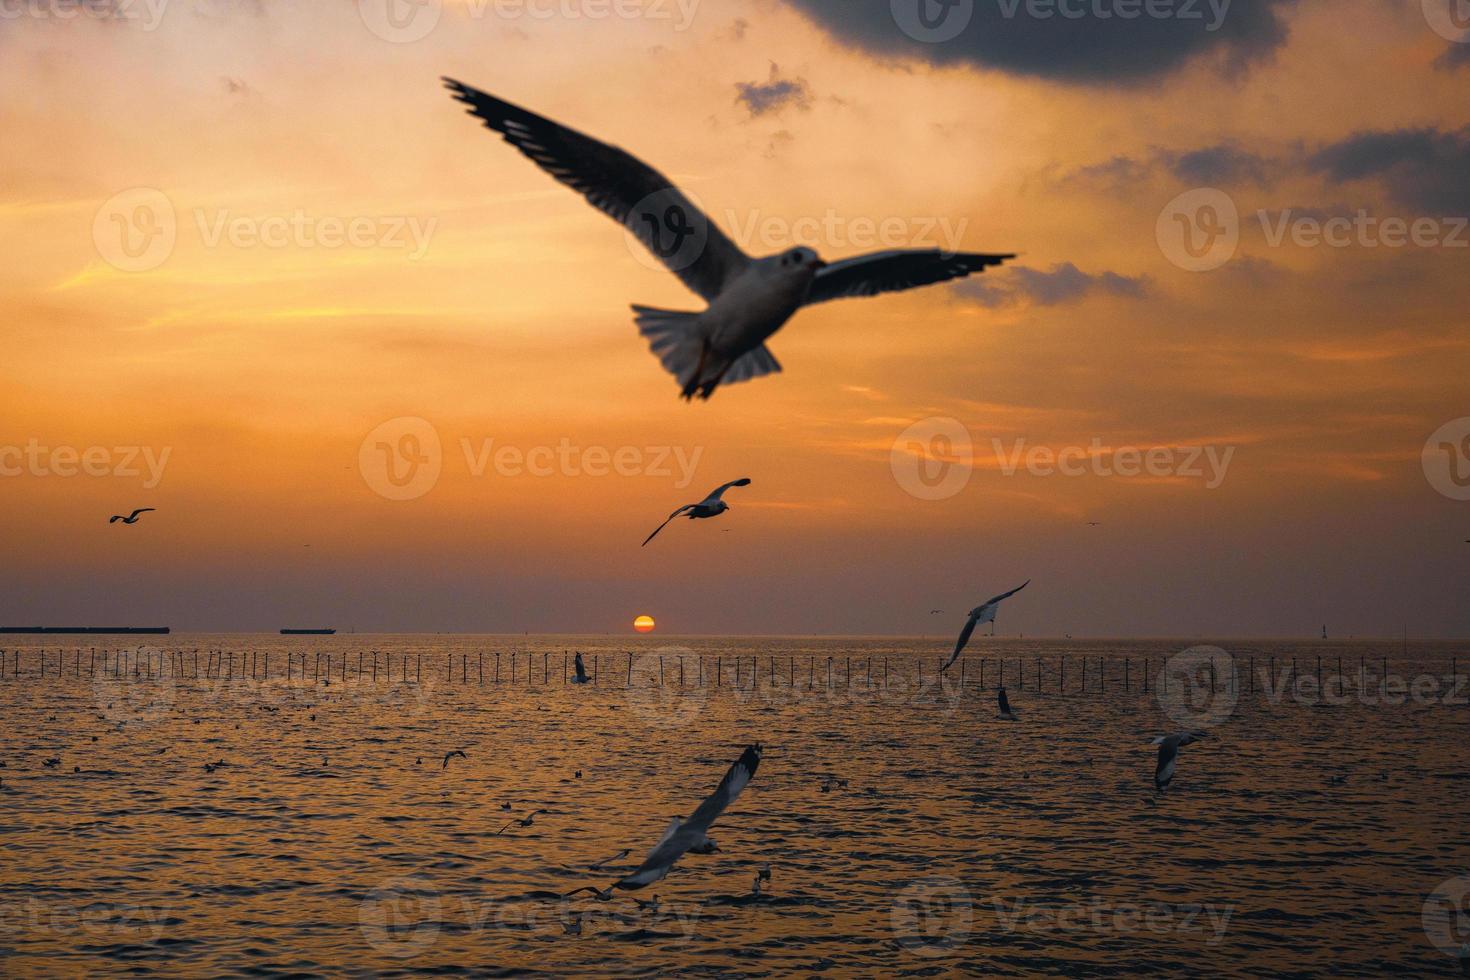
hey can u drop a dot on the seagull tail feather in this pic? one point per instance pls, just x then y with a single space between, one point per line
674 337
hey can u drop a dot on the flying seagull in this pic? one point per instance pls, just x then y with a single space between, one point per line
525 821
748 299
581 677
711 506
691 834
451 755
983 613
1005 706
131 518
1168 752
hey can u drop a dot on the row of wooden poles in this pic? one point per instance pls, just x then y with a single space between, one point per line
742 671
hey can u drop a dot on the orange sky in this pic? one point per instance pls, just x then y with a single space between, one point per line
261 368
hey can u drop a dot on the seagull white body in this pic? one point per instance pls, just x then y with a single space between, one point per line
682 836
983 613
1004 705
711 506
1168 753
747 299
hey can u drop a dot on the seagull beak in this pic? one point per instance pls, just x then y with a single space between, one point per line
818 264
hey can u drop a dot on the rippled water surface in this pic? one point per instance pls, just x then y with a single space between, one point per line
1300 837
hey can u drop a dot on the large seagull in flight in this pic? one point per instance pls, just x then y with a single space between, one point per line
748 298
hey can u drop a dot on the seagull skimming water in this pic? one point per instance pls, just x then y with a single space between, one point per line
688 835
1168 752
748 299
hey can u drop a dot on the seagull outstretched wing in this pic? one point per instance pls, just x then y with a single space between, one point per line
666 522
895 270
681 835
620 186
1005 595
719 491
959 646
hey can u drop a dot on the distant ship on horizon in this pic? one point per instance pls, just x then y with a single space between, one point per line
328 632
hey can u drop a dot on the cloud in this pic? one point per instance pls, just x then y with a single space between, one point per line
1222 164
1065 283
774 94
1419 168
1090 42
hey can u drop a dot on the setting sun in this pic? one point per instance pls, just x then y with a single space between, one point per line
643 624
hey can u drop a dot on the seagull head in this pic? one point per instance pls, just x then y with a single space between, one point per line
797 262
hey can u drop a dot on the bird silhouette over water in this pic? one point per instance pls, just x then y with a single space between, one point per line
1003 703
451 755
983 613
525 821
711 506
682 836
1168 753
131 518
581 669
748 298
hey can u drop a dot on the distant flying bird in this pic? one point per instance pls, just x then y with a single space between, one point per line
1168 752
451 755
131 518
711 506
983 613
1004 704
748 299
935 612
581 677
525 821
688 835
1094 523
